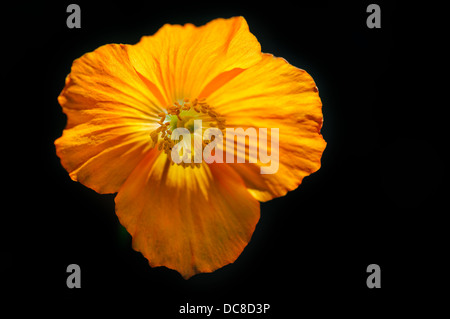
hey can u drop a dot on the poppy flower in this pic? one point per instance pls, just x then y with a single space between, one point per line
122 104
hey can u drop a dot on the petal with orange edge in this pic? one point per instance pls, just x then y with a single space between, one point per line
193 220
110 113
182 61
275 94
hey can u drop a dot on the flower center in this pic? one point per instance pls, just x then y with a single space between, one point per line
182 115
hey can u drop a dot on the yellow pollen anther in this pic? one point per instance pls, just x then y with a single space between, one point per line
185 118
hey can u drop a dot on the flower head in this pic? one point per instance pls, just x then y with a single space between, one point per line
124 104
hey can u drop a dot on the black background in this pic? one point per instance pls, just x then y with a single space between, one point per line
377 198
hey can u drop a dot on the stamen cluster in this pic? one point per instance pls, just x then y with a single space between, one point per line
163 134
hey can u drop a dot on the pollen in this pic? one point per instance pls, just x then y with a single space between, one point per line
182 114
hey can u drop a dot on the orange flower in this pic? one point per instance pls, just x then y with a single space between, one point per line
122 103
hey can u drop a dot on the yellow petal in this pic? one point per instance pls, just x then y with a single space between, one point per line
110 112
193 220
275 94
181 61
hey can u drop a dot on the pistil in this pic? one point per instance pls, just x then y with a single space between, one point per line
183 115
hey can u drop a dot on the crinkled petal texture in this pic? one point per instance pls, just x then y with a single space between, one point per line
113 95
189 62
275 94
192 220
110 112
